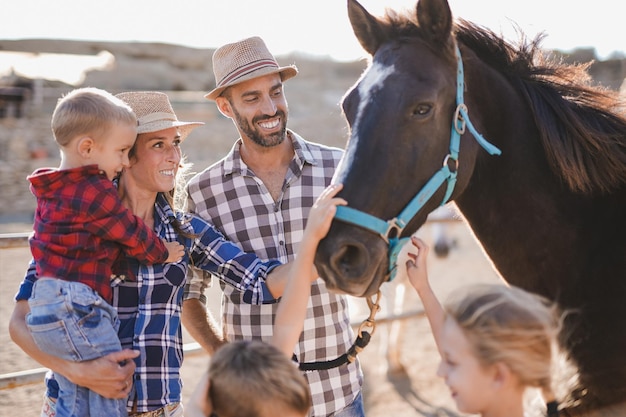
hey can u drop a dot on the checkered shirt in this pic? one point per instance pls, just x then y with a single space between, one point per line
229 195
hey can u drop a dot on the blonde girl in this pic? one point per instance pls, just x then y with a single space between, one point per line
495 341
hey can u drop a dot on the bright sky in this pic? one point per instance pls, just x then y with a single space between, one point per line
318 27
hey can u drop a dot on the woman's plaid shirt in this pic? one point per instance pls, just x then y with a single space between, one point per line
230 196
149 307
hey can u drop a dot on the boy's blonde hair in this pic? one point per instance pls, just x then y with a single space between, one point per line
88 111
269 381
512 326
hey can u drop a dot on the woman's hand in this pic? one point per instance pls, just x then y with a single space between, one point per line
114 374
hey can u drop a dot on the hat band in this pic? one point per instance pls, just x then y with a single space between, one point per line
154 117
247 69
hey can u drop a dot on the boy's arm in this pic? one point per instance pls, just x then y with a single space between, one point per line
292 308
112 221
418 276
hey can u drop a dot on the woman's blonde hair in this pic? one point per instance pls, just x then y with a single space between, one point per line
269 381
505 324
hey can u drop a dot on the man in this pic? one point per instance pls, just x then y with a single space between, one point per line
259 196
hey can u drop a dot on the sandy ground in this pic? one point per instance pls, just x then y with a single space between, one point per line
415 392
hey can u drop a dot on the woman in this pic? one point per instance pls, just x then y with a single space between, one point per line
149 303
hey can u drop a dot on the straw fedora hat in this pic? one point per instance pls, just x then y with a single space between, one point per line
154 112
244 60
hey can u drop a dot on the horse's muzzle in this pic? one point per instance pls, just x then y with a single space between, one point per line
356 265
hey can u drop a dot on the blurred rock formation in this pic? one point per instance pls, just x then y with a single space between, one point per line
185 74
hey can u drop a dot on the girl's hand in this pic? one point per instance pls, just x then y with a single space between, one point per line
323 211
416 265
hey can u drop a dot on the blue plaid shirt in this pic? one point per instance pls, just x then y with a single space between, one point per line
149 307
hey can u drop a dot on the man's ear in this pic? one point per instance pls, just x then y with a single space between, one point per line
85 146
223 105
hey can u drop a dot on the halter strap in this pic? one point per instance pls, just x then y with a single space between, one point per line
391 230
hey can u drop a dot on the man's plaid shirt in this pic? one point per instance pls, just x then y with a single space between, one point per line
229 195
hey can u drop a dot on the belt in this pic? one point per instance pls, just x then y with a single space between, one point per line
159 412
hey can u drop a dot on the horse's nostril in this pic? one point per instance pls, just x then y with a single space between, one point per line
349 260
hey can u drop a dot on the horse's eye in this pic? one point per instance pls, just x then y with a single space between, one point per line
421 110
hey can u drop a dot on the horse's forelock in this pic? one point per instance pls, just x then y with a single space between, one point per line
402 26
400 23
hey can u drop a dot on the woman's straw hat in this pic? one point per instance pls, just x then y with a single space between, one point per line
244 60
154 112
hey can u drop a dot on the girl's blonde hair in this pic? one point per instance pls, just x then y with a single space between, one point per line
269 380
505 324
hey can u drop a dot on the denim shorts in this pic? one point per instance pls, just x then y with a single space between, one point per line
71 321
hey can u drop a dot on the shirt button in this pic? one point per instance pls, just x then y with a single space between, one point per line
281 243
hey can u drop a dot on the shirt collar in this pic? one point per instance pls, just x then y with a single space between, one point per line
233 164
164 214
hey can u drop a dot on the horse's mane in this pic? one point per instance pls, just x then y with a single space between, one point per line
582 126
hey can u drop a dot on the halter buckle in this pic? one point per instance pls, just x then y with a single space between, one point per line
446 162
393 224
459 121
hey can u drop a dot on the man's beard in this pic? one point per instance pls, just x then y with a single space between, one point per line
267 141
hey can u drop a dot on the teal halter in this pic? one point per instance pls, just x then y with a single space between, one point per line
391 230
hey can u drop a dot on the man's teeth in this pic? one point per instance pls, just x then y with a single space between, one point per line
270 124
167 172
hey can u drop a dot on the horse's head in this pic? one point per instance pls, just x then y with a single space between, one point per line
401 115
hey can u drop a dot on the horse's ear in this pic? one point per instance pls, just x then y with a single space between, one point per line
366 27
435 18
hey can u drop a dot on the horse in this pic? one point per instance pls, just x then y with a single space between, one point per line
530 150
